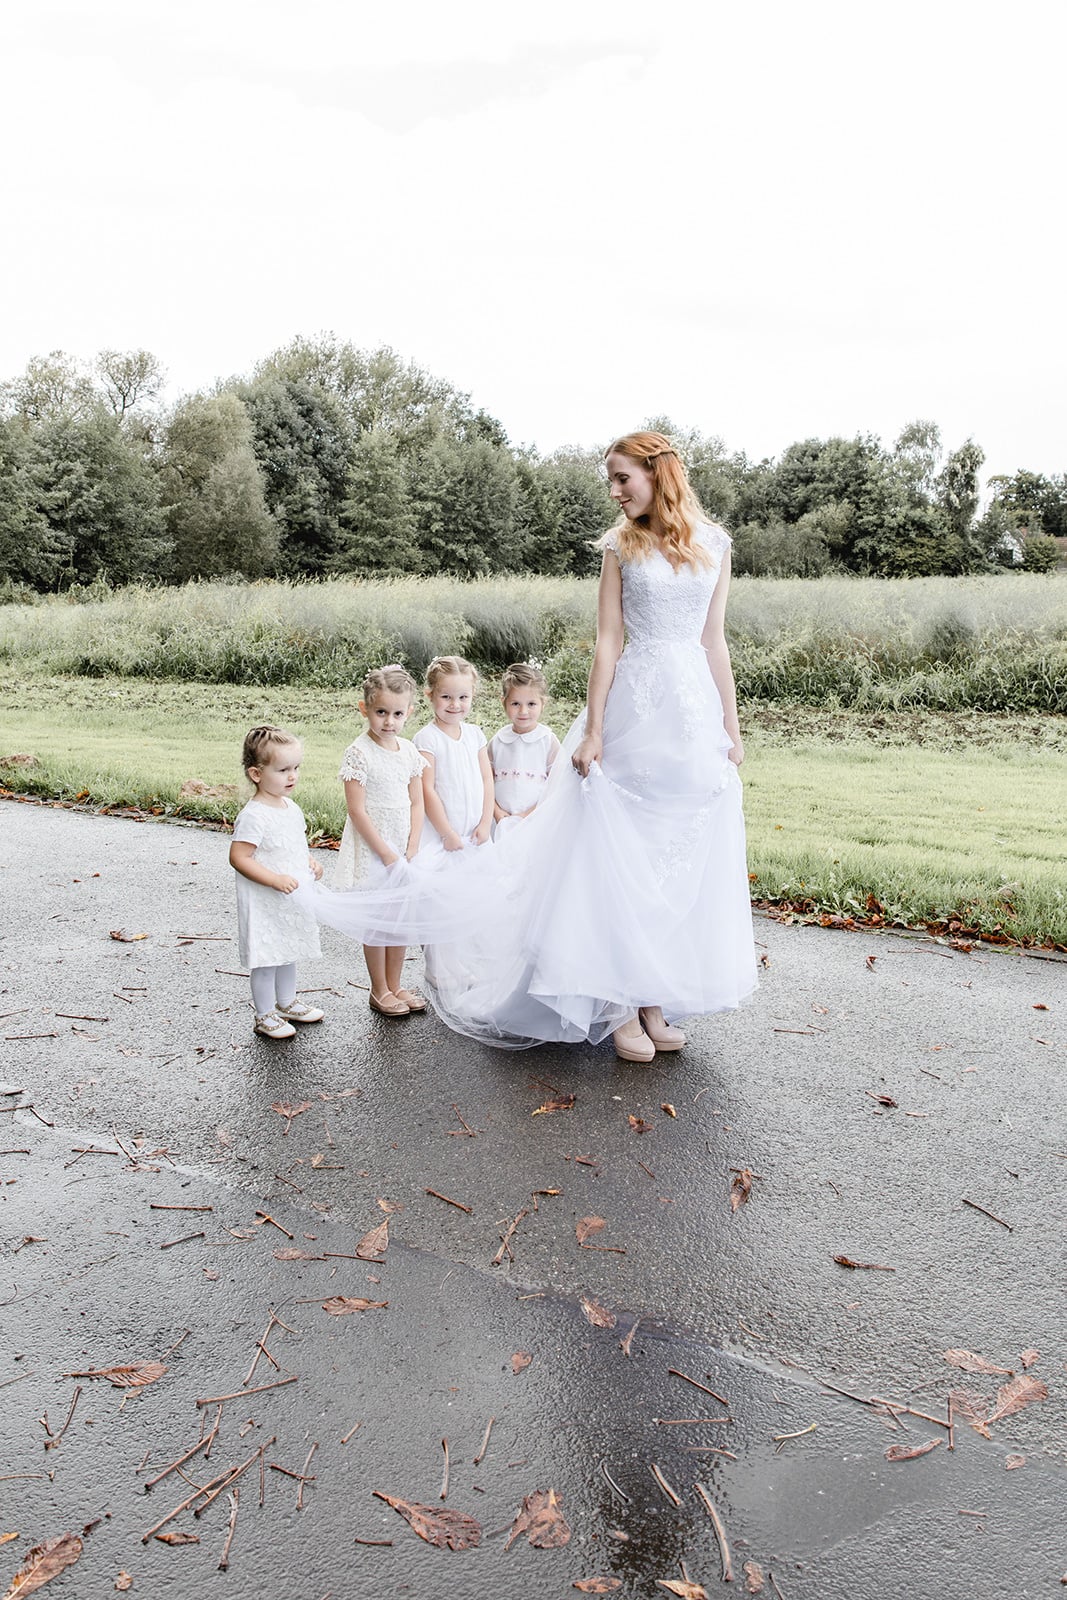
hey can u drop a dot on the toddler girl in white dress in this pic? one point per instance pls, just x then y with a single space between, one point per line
382 775
457 784
269 853
521 755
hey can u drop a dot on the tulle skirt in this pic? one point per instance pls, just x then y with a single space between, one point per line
627 888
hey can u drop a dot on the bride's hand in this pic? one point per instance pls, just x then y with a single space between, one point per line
591 749
736 752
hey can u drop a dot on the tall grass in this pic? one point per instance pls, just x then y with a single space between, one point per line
994 643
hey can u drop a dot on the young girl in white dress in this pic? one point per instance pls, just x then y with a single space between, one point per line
382 775
521 754
269 853
457 784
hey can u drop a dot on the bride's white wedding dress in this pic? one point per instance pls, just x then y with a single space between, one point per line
628 888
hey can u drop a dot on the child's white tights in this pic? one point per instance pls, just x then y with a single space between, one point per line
273 986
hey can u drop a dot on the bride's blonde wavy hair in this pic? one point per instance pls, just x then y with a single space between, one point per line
675 508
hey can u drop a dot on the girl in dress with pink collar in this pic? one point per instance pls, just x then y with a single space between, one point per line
521 754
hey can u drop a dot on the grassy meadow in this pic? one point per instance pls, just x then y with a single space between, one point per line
904 741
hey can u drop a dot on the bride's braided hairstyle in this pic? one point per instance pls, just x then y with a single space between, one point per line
675 508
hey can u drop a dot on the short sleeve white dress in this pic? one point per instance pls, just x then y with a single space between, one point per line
274 928
457 778
521 763
385 775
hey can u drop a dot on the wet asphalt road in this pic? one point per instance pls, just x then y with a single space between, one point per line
178 1093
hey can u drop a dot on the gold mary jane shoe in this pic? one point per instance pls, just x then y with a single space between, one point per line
414 1002
390 1005
633 1046
664 1037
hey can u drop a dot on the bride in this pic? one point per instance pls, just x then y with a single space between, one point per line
623 898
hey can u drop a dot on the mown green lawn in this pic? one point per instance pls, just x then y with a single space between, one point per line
937 817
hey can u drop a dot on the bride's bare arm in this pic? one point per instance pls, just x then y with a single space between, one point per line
609 637
713 639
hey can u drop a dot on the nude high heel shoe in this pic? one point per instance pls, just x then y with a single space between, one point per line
664 1037
633 1044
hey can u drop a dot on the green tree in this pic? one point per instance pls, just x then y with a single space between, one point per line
958 494
52 387
303 443
216 508
32 552
1035 503
465 499
130 378
378 526
102 499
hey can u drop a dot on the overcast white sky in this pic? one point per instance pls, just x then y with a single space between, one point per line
767 220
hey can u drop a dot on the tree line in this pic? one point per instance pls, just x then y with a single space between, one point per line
330 460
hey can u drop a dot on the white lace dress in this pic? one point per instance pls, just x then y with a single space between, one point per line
627 888
274 928
386 776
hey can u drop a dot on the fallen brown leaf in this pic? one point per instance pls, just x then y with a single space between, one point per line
542 1521
390 1205
340 1305
440 1526
295 1255
684 1591
597 1585
967 1361
125 938
136 1376
520 1361
861 1266
596 1314
373 1245
882 1099
284 1109
585 1227
1016 1393
909 1452
972 1408
178 1538
43 1563
753 1577
666 1107
6 1538
638 1124
741 1188
123 1582
1028 1357
1012 1462
565 1102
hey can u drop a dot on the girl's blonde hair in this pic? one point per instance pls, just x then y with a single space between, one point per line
675 509
392 679
449 667
259 742
523 675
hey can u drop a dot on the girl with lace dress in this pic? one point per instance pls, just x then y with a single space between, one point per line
382 775
520 754
269 854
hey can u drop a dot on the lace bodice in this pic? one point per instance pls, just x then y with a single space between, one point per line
664 606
